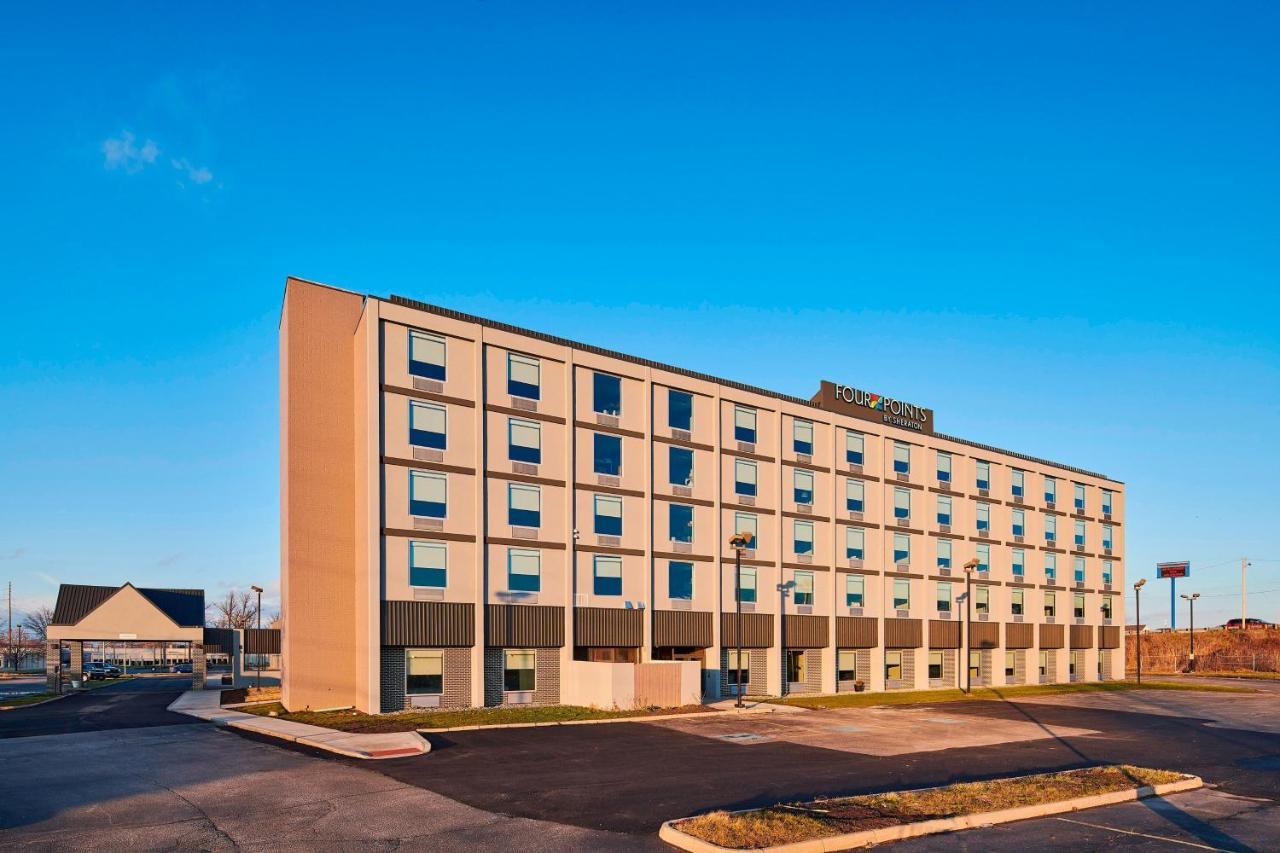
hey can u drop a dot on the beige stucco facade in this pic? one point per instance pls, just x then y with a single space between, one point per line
348 528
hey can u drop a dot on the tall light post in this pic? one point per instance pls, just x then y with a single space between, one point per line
968 597
1191 600
739 543
1137 617
258 658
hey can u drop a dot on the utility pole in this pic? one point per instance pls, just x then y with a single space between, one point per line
10 623
1244 614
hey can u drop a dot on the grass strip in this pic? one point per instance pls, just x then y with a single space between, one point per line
784 824
912 697
407 721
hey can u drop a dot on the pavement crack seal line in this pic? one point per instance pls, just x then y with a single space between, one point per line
1142 834
213 824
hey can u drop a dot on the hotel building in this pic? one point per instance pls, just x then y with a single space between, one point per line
477 514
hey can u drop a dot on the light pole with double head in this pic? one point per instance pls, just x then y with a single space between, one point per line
739 543
1191 601
968 576
1137 621
258 657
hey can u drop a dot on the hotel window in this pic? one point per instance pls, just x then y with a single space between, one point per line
1106 536
1009 663
423 672
984 518
944 510
1050 567
1079 496
901 548
524 570
1079 540
1072 658
523 376
944 553
944 467
680 521
854 447
795 666
608 515
738 662
680 466
428 494
1050 528
984 557
744 477
1050 605
944 597
804 487
984 475
606 394
901 594
854 590
1078 607
680 581
679 410
608 454
1106 571
802 437
902 504
855 495
804 588
518 670
426 355
804 537
1044 663
893 666
745 522
1016 599
1079 569
901 458
1106 502
846 665
1019 522
854 542
975 666
524 505
608 575
1019 562
982 599
1019 482
744 424
524 441
1050 490
426 425
935 665
748 585
1106 607
428 564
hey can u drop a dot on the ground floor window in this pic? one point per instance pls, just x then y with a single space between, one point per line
1009 661
1071 664
423 672
893 666
795 666
846 665
935 664
739 659
1044 664
518 673
975 666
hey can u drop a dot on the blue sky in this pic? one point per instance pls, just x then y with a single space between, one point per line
1057 227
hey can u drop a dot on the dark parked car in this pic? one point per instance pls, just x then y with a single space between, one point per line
100 670
182 667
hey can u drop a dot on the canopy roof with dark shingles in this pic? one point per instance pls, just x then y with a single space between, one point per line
76 601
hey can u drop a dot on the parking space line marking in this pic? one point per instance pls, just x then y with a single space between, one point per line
1142 835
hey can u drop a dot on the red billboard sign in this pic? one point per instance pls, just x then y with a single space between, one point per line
1179 569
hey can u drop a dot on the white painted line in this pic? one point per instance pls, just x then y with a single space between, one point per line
1142 834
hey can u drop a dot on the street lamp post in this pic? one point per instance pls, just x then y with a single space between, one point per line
968 611
258 658
1137 622
1191 601
739 543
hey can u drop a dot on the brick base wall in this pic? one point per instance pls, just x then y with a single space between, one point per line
757 672
812 673
457 679
948 678
546 677
52 666
908 680
862 668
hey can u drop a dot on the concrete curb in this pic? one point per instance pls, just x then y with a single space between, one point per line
206 705
851 840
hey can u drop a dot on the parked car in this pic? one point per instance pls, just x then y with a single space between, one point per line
182 667
100 670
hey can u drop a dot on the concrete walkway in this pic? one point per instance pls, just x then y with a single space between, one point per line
206 705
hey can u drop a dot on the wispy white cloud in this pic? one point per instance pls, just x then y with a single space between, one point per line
15 554
123 152
49 579
168 561
197 175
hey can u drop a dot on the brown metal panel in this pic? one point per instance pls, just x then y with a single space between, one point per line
219 640
857 632
1019 635
524 625
1109 637
984 635
944 634
903 634
682 628
1081 636
262 641
1052 637
804 632
428 623
608 626
757 630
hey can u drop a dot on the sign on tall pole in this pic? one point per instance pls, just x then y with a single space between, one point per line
1173 571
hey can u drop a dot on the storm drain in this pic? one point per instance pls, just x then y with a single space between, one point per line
743 737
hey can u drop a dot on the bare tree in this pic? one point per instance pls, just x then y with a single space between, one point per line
234 610
37 622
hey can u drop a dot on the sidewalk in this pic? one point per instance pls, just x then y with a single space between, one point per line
206 705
